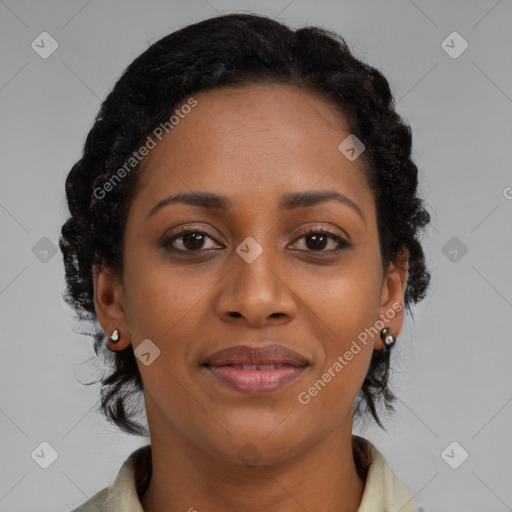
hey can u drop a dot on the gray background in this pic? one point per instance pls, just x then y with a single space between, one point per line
452 365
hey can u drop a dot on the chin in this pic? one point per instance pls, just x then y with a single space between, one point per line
260 446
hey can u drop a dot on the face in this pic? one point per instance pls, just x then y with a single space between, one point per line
254 270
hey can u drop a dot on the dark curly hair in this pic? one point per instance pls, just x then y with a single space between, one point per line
234 49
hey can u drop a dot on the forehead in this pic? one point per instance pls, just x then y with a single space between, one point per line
253 143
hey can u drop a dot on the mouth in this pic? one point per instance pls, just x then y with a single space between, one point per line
256 371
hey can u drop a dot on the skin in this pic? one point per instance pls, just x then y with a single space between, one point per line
251 144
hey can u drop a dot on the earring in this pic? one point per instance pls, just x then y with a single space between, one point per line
388 339
115 343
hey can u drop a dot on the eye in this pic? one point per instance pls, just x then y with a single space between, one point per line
191 239
319 239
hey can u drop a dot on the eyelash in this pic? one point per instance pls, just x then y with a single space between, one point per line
342 244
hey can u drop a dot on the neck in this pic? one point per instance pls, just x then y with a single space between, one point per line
186 478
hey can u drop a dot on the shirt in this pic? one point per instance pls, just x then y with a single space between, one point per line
383 491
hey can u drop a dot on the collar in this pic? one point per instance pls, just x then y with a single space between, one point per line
383 492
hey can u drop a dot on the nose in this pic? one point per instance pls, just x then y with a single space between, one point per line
258 293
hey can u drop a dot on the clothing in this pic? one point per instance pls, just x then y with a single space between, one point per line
383 492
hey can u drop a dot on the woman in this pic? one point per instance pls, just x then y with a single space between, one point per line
245 229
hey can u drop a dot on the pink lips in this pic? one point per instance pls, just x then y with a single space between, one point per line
255 371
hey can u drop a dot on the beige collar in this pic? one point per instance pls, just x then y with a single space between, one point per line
383 491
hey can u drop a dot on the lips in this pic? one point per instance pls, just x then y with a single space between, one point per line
255 371
258 356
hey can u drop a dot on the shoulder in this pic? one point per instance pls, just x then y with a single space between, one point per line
97 502
128 486
383 490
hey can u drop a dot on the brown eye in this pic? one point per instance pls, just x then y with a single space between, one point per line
194 241
318 239
190 240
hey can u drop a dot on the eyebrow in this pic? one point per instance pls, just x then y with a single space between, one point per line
288 202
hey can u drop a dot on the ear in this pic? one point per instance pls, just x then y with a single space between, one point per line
109 300
393 293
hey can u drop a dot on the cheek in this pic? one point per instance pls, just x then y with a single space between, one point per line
346 307
163 302
346 300
164 306
349 308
